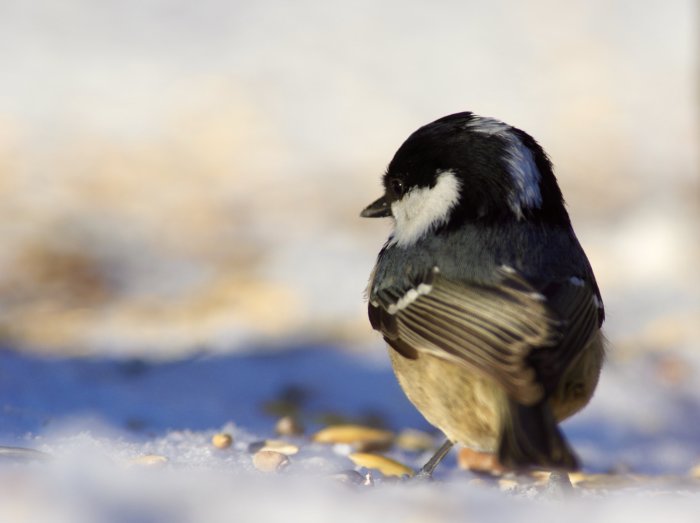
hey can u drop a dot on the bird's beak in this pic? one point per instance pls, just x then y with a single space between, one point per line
377 209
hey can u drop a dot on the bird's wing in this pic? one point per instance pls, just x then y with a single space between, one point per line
577 302
512 331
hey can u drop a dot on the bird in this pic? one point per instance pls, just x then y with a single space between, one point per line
483 294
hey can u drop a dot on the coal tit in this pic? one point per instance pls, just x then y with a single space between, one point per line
483 293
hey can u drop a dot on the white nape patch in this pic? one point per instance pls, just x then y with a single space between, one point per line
409 298
422 209
520 164
575 280
597 302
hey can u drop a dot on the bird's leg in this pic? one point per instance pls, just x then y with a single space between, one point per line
427 471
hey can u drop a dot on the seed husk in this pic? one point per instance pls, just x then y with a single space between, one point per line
361 438
270 461
150 460
276 445
289 426
387 466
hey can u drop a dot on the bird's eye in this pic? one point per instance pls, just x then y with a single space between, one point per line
396 187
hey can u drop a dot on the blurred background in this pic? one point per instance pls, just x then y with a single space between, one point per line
179 177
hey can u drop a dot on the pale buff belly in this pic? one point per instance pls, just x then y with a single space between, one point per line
467 406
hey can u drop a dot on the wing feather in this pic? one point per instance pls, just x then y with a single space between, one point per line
518 334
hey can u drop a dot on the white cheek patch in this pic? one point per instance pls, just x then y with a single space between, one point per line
422 209
520 164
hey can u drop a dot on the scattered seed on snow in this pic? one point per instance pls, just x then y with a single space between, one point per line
695 471
387 466
150 460
277 445
469 459
270 461
360 437
414 440
222 440
349 476
289 426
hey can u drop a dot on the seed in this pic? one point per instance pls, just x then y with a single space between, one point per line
269 461
150 460
695 471
276 445
222 440
387 466
289 426
360 437
507 484
349 476
414 440
469 459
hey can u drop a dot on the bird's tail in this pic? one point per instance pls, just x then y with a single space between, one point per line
530 438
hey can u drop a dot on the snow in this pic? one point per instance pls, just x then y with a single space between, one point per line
97 416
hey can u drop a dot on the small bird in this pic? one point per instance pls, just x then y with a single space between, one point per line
482 292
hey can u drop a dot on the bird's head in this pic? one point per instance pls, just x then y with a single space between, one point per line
466 168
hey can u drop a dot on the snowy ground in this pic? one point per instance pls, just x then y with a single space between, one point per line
96 417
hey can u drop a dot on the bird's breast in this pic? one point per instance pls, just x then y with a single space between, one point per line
464 405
